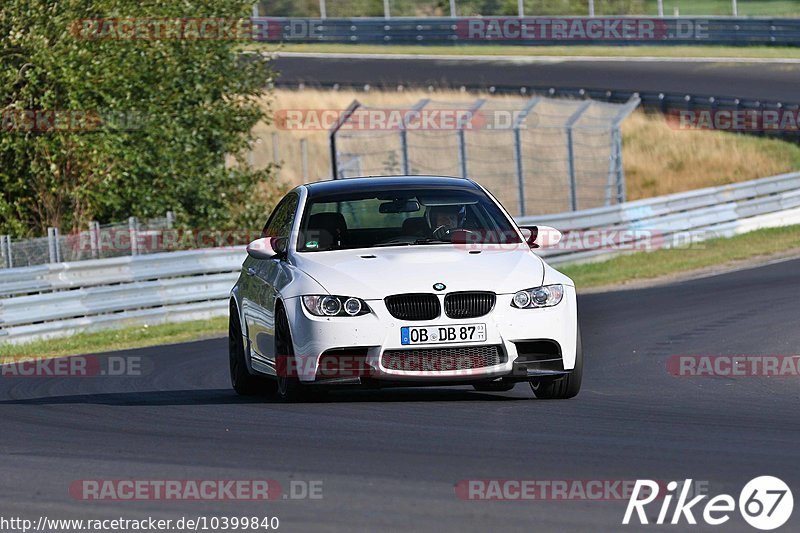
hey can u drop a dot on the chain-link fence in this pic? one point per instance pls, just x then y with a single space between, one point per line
99 241
524 8
539 156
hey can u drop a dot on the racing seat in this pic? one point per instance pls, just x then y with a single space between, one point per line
416 226
329 230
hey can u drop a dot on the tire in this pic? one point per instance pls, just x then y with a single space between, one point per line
562 388
289 387
242 381
494 386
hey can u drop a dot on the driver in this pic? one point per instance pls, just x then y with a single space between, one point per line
444 217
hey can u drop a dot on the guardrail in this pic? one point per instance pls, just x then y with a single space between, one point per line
63 298
675 220
608 30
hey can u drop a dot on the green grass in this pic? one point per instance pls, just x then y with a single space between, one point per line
627 268
118 339
714 252
769 52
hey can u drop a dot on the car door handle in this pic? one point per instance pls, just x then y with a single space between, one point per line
251 271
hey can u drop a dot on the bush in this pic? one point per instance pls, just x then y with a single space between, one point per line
170 111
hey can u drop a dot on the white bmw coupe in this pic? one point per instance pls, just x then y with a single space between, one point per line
401 281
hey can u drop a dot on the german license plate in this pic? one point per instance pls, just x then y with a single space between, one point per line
443 334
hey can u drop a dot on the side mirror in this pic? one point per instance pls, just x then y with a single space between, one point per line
541 236
267 247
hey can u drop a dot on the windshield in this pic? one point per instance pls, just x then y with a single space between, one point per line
402 218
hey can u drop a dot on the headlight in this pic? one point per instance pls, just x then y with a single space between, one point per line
325 305
545 296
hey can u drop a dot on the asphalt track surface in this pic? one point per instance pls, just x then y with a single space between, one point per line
775 82
390 459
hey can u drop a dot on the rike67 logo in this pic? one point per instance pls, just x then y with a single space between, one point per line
765 503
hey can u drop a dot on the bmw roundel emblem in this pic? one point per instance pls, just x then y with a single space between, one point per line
439 286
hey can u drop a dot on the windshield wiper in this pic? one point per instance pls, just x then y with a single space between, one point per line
431 241
398 243
406 243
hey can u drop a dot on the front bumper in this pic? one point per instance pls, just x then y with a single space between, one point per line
369 336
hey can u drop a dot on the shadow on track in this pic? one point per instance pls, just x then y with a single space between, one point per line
227 396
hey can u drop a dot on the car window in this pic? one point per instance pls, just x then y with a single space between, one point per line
280 222
364 213
364 219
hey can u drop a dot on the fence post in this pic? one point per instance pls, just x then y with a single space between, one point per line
404 135
133 226
518 152
304 158
5 248
591 8
660 8
734 8
573 185
94 238
170 219
620 169
462 153
616 148
323 11
453 8
355 104
386 13
53 246
462 142
275 153
521 8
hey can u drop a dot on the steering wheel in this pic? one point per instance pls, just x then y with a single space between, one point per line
443 233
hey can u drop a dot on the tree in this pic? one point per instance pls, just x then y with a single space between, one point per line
140 125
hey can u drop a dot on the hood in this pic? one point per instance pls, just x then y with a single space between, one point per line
374 273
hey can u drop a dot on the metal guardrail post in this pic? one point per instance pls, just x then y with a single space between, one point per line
323 11
386 12
133 226
573 185
453 8
521 8
518 152
355 104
